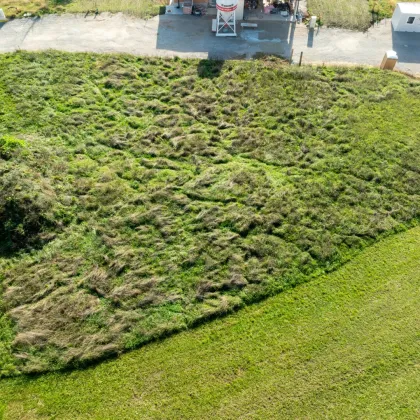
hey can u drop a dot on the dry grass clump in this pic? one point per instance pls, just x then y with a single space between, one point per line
157 200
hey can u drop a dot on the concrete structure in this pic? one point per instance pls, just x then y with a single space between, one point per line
406 17
226 17
240 10
389 61
312 22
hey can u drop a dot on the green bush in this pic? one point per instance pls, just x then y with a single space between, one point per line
9 145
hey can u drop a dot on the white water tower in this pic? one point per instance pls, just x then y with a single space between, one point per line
226 19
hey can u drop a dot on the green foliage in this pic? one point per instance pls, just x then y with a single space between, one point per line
166 192
382 8
10 145
344 346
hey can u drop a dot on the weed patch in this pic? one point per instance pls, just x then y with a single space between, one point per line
148 194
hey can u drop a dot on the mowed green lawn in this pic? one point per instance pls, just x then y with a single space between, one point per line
343 346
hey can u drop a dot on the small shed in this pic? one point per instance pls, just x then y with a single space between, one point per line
406 17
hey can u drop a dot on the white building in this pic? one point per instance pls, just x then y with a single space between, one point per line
406 17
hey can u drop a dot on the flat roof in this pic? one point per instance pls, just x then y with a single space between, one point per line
409 7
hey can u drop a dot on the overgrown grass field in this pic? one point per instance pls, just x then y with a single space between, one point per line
353 14
345 346
142 196
140 8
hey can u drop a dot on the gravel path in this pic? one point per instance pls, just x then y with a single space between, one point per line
189 36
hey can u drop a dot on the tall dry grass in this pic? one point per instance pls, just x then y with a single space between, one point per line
349 14
13 8
139 8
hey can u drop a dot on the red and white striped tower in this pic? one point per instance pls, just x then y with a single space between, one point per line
226 19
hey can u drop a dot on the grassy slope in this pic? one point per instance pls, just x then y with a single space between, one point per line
170 191
346 345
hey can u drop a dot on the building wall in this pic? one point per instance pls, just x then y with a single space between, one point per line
396 17
399 21
240 10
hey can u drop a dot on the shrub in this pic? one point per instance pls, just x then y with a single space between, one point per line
9 146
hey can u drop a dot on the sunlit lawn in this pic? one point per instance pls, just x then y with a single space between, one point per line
345 346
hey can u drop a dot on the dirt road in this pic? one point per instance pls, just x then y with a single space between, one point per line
190 36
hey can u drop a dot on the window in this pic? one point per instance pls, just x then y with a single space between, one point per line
410 20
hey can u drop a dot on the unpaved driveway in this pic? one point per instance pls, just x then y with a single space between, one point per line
189 36
341 46
185 36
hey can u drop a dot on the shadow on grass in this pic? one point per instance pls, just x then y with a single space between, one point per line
60 2
10 249
210 69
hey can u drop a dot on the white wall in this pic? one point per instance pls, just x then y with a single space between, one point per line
240 10
399 21
396 17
